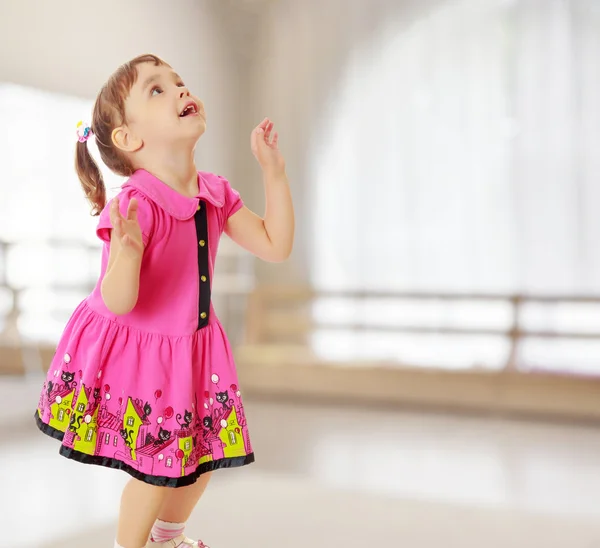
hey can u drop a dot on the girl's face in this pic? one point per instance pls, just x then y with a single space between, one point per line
161 111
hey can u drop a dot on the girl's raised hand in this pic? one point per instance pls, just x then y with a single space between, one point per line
264 144
127 229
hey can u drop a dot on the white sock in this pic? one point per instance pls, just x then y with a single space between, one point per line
117 545
163 530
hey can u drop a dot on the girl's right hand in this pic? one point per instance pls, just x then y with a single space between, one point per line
127 229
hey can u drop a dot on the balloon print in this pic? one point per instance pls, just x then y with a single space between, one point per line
215 379
168 413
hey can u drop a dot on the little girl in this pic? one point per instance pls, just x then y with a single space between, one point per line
143 378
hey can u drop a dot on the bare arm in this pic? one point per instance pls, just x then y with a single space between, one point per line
270 238
121 283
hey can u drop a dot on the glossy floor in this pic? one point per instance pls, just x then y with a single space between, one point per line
330 476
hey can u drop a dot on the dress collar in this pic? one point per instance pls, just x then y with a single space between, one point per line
175 204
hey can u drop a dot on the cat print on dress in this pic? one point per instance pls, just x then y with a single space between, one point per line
187 419
223 399
67 378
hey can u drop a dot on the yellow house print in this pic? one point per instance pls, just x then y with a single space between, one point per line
59 418
186 444
133 420
86 432
233 442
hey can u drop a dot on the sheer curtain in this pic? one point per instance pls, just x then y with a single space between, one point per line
462 156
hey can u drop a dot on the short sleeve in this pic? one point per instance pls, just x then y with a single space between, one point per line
145 216
233 201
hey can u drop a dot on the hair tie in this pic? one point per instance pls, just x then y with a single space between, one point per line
83 132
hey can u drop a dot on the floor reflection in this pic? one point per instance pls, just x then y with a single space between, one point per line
331 476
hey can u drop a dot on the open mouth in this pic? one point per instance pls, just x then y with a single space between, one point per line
189 110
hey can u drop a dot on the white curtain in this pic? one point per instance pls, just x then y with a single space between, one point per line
461 154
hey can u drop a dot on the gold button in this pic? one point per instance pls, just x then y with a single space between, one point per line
203 315
202 243
199 207
203 278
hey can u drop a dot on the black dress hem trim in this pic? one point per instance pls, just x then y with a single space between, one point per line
160 481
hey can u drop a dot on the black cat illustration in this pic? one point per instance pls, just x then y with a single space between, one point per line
97 394
207 422
223 399
147 410
67 378
75 422
50 387
187 419
127 435
163 435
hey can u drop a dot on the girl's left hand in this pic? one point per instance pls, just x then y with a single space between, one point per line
263 142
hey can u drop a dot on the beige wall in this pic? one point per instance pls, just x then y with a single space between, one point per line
72 46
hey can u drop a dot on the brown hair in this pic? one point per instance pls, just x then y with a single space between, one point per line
109 113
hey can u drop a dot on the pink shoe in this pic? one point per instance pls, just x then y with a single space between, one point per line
178 542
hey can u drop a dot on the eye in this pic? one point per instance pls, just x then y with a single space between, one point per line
180 84
155 89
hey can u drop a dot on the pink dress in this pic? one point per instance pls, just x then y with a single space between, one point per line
154 392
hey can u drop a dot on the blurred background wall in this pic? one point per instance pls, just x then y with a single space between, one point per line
442 156
442 161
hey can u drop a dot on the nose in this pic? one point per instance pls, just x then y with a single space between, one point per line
185 92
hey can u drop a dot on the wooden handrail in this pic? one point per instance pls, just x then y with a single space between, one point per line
266 319
303 293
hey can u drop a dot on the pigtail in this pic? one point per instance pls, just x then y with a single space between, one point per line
108 113
90 177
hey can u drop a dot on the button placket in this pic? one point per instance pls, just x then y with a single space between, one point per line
204 291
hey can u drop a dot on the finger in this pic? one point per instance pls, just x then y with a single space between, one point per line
264 123
254 140
268 130
132 210
118 227
113 211
258 137
275 139
115 216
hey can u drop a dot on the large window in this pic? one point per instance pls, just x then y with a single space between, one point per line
461 155
48 245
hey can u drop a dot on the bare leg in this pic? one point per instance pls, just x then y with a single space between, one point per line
177 506
140 504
